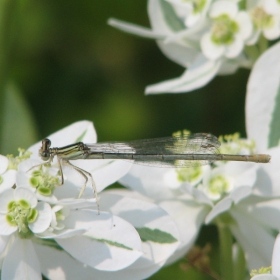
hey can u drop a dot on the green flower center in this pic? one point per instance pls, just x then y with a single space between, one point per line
223 30
232 144
260 18
21 214
60 215
1 180
15 161
43 181
218 185
189 174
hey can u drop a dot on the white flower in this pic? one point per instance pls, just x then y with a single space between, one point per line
21 218
230 29
265 15
221 181
20 211
7 176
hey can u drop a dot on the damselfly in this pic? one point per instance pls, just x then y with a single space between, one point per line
182 151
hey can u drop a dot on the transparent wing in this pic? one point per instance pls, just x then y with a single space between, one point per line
199 143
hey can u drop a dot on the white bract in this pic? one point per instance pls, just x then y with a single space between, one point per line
229 31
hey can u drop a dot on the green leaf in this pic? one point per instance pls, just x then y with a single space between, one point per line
171 17
274 132
17 124
155 235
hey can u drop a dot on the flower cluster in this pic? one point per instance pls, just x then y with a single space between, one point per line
208 37
45 229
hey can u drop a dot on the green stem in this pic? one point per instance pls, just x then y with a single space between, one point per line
226 261
262 44
239 263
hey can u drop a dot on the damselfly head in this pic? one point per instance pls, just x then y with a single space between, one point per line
44 151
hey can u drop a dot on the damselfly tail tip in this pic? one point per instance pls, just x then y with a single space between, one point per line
264 158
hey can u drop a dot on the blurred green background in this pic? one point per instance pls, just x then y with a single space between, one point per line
60 62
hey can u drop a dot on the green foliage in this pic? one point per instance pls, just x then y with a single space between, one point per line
18 126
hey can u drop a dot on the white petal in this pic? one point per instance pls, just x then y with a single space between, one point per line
105 172
192 19
4 162
276 257
265 212
235 48
245 25
61 234
27 165
4 240
148 180
272 7
244 173
21 261
5 198
240 193
105 227
267 184
78 131
29 196
229 67
222 206
261 98
242 229
59 265
223 7
44 218
5 227
273 32
189 217
211 50
135 29
253 38
198 193
9 179
201 72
